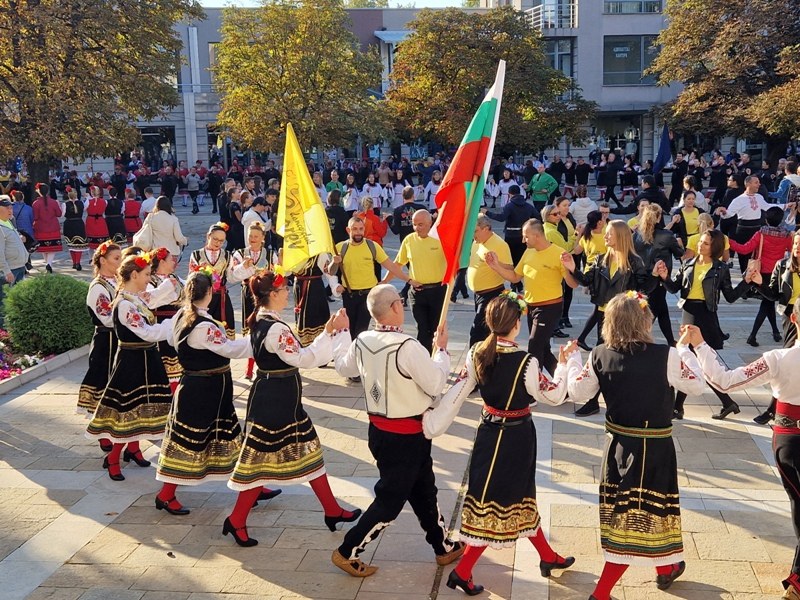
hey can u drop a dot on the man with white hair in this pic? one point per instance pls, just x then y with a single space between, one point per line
401 380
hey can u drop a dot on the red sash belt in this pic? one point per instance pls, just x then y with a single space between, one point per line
406 425
507 414
789 411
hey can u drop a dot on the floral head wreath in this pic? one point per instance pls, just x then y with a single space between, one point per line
216 280
516 299
103 248
219 226
143 260
638 296
161 253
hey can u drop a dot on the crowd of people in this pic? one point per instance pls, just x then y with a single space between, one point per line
159 367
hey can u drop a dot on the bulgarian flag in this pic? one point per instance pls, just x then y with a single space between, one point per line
459 197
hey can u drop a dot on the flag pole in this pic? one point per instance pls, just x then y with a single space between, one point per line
446 305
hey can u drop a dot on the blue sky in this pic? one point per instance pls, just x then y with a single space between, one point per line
417 3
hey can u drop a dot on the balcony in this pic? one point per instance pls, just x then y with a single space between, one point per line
630 7
554 14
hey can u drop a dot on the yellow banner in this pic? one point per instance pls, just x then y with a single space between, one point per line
301 215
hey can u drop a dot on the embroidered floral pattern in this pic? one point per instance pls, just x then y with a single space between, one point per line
545 385
216 336
134 319
754 369
288 343
686 372
584 374
103 305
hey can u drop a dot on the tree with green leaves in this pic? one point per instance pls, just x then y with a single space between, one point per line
366 3
296 61
75 75
735 63
442 70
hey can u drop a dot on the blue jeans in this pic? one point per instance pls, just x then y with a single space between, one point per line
18 275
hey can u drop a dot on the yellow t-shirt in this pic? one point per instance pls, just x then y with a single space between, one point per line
358 266
700 271
426 256
480 276
542 273
694 240
690 220
593 247
795 288
633 223
553 235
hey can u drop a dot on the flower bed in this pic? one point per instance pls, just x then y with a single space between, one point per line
12 363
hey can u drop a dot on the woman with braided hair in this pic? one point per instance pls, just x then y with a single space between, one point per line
219 259
74 228
500 505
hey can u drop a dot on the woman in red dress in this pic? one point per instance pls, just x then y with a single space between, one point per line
96 227
133 222
46 228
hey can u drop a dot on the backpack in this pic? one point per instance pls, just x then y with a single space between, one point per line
370 245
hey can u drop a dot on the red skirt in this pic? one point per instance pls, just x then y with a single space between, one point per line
49 242
96 231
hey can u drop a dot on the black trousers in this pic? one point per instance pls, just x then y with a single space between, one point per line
517 248
744 231
405 469
567 293
595 319
426 306
542 322
355 305
787 450
479 331
460 285
660 310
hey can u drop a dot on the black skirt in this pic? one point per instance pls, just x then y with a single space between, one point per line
203 439
500 505
116 229
280 444
248 305
101 357
75 234
695 312
221 309
135 403
311 308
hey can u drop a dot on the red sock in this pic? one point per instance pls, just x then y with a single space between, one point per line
468 560
167 494
324 494
76 257
546 553
113 459
612 573
244 502
173 386
133 448
665 569
794 581
250 363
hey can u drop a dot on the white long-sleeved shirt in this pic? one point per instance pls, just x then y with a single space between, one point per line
748 208
99 302
778 368
132 318
413 361
282 341
212 337
683 373
552 391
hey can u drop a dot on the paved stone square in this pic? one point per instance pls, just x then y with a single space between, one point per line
70 533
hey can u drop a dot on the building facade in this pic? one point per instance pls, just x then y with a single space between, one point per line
604 46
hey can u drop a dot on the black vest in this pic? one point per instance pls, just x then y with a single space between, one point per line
193 359
266 360
507 378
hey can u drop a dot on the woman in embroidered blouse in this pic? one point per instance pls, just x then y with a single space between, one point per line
281 444
500 505
135 403
102 289
165 290
221 308
96 226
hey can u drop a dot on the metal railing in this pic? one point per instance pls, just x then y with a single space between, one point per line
554 14
628 7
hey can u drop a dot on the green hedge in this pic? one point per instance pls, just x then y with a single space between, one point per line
47 314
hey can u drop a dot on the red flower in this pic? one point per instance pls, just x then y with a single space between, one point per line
143 260
162 253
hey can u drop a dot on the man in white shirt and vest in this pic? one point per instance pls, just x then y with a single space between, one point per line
401 381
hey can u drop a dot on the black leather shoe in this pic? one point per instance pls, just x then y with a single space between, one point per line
114 476
106 446
777 336
592 407
469 588
752 341
677 414
228 527
136 457
664 581
584 346
733 408
161 505
547 567
764 418
49 269
332 522
268 495
78 267
726 336
560 334
566 323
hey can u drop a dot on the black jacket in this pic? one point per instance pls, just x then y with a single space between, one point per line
515 213
654 196
679 170
582 173
602 287
718 279
780 287
665 246
337 219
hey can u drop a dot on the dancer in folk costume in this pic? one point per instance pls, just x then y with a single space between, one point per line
74 228
203 439
779 369
114 218
500 505
246 263
311 310
102 290
135 403
281 444
166 290
640 517
131 212
96 227
213 254
46 228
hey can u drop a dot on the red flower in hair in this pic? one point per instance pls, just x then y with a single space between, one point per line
278 280
68 188
37 187
143 260
162 253
221 225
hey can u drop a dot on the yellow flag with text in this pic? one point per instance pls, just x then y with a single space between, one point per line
302 220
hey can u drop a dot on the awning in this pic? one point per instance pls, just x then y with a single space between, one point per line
392 37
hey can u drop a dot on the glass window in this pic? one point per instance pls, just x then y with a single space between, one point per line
621 7
559 54
625 57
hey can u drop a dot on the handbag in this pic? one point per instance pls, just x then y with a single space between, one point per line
144 237
754 264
